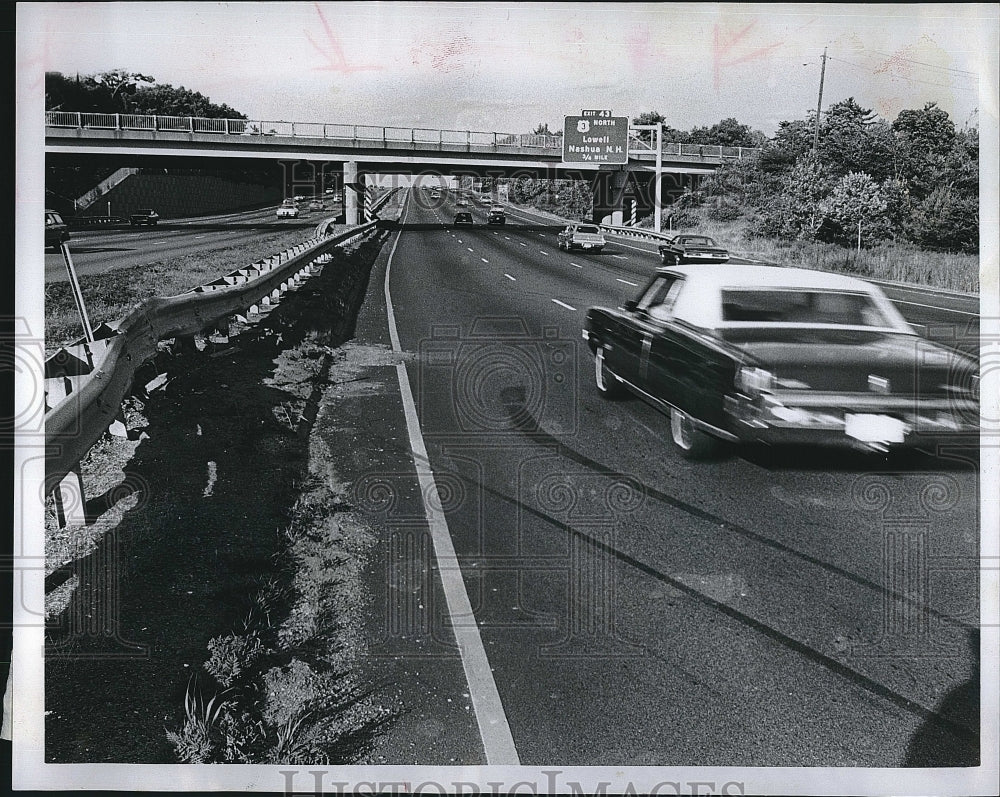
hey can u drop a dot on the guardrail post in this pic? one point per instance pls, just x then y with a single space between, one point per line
71 503
118 121
190 124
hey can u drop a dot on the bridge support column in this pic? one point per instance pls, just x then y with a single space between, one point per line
354 194
609 191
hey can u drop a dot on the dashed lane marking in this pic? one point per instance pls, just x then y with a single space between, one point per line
563 304
575 264
512 279
633 284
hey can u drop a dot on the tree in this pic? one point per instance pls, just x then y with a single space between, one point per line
857 210
167 100
542 130
727 133
794 211
853 139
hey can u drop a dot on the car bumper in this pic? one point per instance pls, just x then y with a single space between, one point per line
855 421
702 258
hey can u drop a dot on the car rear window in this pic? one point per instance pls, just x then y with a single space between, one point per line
588 229
780 306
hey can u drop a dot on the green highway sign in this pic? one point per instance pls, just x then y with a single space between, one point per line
595 137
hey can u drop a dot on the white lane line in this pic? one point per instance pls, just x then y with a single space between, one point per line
498 742
542 251
484 260
198 236
522 243
469 248
506 237
575 264
633 284
512 279
620 257
563 304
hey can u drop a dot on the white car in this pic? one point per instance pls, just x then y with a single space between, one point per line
288 210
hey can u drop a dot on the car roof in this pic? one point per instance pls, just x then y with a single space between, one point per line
731 275
700 302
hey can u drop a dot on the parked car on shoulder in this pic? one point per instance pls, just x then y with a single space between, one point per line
288 210
56 230
737 354
581 236
146 216
463 218
687 248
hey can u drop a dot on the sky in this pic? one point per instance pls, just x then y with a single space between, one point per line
507 67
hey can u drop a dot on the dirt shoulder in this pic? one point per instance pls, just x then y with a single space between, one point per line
225 564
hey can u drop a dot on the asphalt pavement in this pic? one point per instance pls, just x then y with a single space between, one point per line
628 607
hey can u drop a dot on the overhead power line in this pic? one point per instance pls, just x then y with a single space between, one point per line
924 63
905 77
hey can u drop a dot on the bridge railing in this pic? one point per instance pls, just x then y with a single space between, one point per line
357 133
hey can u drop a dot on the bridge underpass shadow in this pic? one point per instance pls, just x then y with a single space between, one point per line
216 475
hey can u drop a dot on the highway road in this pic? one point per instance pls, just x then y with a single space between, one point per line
609 602
98 250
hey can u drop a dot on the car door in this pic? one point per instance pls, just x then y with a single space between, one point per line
685 367
633 340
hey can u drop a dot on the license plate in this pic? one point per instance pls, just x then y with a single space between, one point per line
874 428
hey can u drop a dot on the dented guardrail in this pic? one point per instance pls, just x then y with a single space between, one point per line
93 379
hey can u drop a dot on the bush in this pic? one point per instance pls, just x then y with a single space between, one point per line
231 655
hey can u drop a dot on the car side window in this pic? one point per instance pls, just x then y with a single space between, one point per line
658 300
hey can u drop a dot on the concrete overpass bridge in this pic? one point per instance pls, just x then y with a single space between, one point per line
620 192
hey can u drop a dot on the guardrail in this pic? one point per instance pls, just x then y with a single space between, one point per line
90 381
416 137
634 232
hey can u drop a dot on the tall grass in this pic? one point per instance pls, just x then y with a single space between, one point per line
896 262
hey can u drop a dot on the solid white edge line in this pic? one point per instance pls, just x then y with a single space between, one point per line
494 730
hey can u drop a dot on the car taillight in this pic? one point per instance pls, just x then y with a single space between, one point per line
752 381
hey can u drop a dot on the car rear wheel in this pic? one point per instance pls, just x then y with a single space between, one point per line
690 441
608 384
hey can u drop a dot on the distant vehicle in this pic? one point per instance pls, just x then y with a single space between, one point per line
463 217
56 230
299 197
144 216
687 248
776 355
462 203
496 216
435 195
581 236
316 205
288 210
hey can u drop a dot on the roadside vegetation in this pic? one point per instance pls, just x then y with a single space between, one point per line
895 201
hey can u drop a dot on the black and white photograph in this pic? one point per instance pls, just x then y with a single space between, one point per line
506 398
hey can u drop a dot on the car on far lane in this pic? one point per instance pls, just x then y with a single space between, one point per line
462 203
581 236
775 355
288 210
463 218
687 248
56 230
146 216
316 205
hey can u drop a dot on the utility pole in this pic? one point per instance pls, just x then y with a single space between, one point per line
819 103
